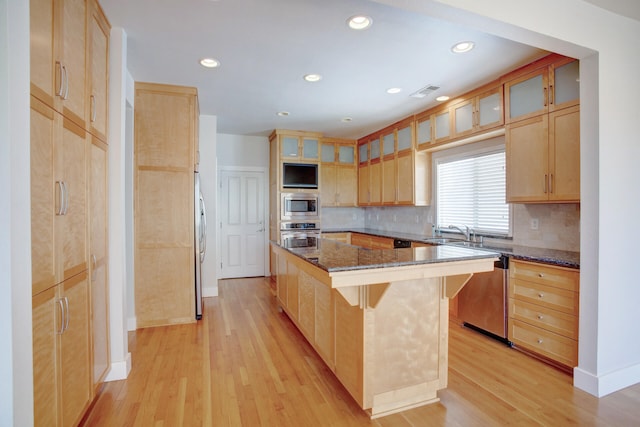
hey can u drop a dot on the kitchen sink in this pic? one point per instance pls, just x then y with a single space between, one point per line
443 240
466 244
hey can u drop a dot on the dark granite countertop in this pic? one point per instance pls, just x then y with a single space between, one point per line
547 256
334 256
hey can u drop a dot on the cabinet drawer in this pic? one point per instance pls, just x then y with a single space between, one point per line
558 277
554 346
552 320
547 296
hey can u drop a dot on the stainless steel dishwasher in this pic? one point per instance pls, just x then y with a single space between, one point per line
482 303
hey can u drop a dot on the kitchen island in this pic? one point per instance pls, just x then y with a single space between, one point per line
378 318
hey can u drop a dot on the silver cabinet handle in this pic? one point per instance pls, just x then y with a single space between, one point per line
92 98
60 210
203 231
550 183
94 264
66 198
60 89
67 316
545 183
62 316
66 83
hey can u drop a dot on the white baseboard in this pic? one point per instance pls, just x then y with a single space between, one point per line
132 323
119 370
602 385
210 291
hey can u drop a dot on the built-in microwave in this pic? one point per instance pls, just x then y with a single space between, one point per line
299 206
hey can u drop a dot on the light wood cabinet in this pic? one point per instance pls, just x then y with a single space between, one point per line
340 237
543 310
543 158
400 175
549 88
165 132
61 358
338 173
58 51
369 241
478 113
98 62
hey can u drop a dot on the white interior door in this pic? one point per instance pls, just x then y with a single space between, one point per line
242 224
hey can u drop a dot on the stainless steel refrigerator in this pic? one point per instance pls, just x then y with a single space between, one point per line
200 241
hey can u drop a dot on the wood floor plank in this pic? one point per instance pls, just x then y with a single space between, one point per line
246 364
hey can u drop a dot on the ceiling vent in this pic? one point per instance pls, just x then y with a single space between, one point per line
421 93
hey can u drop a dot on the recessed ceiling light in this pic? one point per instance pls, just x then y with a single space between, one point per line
210 62
394 90
346 120
359 22
282 113
442 98
313 77
462 47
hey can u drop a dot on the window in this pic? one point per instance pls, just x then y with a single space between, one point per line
470 191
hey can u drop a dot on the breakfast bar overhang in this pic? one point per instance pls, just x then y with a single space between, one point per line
377 317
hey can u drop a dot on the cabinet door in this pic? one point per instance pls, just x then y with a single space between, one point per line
442 130
389 181
489 110
46 315
72 225
328 184
289 146
564 155
363 153
375 182
424 131
527 96
527 160
328 153
405 178
374 151
346 155
42 13
99 57
405 140
74 350
72 57
347 186
364 191
564 87
98 191
43 263
388 144
310 149
463 118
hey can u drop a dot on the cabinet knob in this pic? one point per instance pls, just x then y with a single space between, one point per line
540 295
540 275
539 340
540 316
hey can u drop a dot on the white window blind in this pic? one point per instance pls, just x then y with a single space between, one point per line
471 192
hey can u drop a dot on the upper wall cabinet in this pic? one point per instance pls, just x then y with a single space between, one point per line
543 90
478 113
58 51
338 173
296 146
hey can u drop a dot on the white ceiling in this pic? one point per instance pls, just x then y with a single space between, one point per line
266 46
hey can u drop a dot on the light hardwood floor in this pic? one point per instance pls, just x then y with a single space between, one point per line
245 364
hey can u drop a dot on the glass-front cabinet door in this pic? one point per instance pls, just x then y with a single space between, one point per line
363 153
463 118
290 146
388 144
374 153
490 110
328 153
404 139
424 132
310 148
346 154
528 95
442 128
565 85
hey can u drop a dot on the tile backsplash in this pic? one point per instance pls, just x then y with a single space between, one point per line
558 225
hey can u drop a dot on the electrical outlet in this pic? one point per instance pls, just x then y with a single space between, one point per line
534 223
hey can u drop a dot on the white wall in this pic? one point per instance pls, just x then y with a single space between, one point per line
241 150
120 356
609 354
16 363
208 186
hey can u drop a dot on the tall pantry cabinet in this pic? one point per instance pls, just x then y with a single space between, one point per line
166 135
68 207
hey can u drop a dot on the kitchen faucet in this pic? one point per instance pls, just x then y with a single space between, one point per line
467 233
